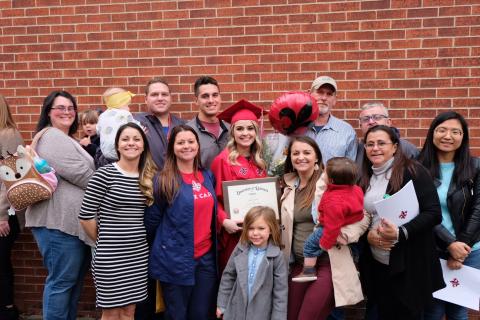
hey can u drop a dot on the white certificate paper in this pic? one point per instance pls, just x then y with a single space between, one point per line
401 207
242 195
463 286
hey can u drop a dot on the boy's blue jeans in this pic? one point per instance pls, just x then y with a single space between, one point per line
311 247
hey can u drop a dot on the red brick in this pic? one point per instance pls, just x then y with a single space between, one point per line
369 5
449 32
421 53
467 21
391 54
453 52
331 17
422 13
421 33
455 72
406 24
373 65
390 34
410 43
466 62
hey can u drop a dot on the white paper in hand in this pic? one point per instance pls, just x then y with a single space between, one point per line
463 286
401 207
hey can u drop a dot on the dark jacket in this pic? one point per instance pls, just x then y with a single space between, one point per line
157 139
464 205
414 265
210 146
171 228
93 146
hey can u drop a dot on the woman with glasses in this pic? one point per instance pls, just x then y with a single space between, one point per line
446 155
54 222
400 268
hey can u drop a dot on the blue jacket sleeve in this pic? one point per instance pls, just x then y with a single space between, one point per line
153 213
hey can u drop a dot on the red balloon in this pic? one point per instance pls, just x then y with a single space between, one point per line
293 112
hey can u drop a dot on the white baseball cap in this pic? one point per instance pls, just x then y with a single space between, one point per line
320 81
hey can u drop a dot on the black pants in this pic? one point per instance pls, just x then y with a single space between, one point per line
6 268
390 306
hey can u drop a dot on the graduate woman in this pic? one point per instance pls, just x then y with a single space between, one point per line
240 160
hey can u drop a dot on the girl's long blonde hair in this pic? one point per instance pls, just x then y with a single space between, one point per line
6 118
256 149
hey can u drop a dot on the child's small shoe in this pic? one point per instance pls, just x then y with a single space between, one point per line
307 274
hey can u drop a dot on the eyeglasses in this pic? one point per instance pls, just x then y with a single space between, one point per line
379 144
61 108
443 131
374 117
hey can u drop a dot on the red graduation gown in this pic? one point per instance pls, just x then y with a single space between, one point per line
225 171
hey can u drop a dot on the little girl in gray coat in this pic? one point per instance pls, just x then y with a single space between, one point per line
254 283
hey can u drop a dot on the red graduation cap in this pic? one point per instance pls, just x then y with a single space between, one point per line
241 110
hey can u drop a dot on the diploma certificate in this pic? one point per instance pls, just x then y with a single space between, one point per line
241 195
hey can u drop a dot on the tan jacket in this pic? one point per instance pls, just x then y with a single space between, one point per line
10 139
345 278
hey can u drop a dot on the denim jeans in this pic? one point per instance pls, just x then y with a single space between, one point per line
66 259
311 247
440 308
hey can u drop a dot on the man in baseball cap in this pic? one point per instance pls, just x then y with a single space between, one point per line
335 137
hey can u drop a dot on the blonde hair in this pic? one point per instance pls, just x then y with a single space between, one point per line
147 172
6 118
268 215
256 149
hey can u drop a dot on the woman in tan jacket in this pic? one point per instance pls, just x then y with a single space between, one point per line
336 274
10 139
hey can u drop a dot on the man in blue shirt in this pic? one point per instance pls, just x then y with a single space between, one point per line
335 137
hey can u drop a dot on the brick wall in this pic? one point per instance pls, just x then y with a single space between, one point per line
417 56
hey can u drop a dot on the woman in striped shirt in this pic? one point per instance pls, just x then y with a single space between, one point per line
116 197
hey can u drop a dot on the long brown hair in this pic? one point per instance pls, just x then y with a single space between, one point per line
170 178
400 162
312 182
268 215
6 118
146 166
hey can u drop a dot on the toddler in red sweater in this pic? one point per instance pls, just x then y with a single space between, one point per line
341 205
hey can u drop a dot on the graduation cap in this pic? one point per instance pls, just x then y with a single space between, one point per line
241 110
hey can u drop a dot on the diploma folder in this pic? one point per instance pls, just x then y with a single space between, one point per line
401 207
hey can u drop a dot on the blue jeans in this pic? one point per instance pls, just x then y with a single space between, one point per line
440 308
66 259
311 247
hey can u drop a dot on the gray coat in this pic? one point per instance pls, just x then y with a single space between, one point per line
269 292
